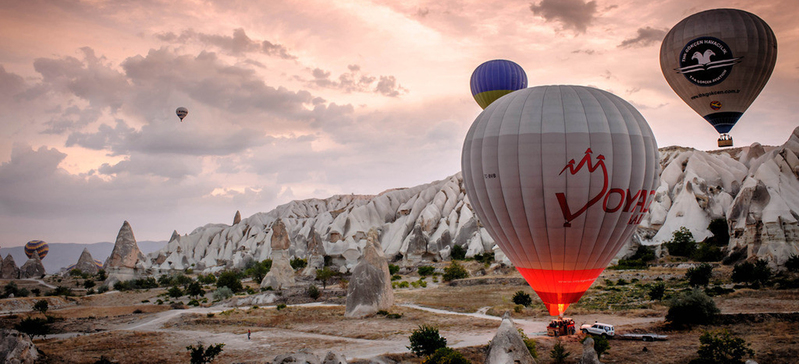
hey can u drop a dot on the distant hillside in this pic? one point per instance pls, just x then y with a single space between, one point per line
62 255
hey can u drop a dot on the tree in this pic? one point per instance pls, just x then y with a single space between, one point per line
175 292
691 308
41 306
195 289
721 347
559 353
700 275
88 284
454 271
657 290
682 243
601 344
259 270
33 327
298 263
324 275
200 355
425 340
522 298
446 356
458 252
313 292
230 279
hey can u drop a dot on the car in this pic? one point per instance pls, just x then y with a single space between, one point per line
598 329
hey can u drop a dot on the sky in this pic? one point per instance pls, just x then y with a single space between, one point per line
302 99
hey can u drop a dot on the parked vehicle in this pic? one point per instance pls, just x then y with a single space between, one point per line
598 329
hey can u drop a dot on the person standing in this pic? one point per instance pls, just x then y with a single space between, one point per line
248 334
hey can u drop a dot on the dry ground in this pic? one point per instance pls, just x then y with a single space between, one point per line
107 325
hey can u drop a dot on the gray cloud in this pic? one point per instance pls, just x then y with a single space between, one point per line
572 14
10 84
172 167
238 44
72 118
645 37
356 81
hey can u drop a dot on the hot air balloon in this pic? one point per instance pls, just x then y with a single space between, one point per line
496 78
718 61
182 112
560 176
38 247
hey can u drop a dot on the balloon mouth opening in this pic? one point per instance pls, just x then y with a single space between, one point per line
725 140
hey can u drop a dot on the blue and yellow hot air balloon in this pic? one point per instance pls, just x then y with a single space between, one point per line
496 78
36 246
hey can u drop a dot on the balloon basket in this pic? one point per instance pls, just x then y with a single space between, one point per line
725 140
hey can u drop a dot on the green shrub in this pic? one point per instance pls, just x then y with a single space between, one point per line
393 269
529 343
446 356
195 289
792 264
175 292
200 355
454 271
89 284
692 308
281 306
656 291
720 347
457 252
601 344
298 263
485 258
324 275
208 279
522 298
34 327
102 289
403 284
746 272
41 306
559 353
313 292
426 270
699 275
622 282
682 243
194 303
222 293
230 279
61 291
396 277
425 340
707 252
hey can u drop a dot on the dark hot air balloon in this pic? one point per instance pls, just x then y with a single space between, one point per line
36 247
718 61
496 78
560 176
182 112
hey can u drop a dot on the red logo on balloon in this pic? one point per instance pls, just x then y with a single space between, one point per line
564 205
715 105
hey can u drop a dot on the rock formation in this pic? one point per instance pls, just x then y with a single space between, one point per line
305 356
507 346
589 354
237 218
282 274
126 260
17 348
33 268
9 269
316 255
370 290
86 263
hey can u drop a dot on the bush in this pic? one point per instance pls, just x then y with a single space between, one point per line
425 340
200 355
706 252
682 243
281 306
101 275
656 291
41 306
486 258
455 271
258 270
313 292
601 344
88 284
230 279
393 269
102 289
559 353
298 263
175 292
195 289
792 264
446 356
222 293
457 252
530 344
61 291
720 347
34 327
746 272
426 270
700 275
209 279
324 275
522 298
692 308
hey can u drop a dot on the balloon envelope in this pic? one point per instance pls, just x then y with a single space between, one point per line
718 61
496 78
560 176
182 112
36 247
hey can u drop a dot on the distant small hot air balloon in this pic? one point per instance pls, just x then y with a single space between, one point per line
560 176
38 247
182 112
496 78
718 61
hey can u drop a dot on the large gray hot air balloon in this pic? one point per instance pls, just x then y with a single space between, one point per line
718 61
560 176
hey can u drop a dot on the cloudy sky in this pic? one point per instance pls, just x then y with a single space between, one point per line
299 99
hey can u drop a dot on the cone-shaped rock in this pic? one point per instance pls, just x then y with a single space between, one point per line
86 263
370 290
175 236
281 275
9 269
17 348
237 218
589 354
316 254
33 268
507 346
125 260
